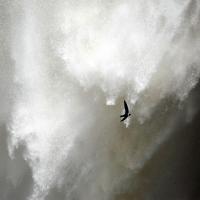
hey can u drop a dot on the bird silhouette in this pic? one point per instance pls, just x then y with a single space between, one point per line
126 114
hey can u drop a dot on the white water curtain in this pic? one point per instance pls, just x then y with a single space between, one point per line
66 67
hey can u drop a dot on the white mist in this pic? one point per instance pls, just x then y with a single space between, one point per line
71 66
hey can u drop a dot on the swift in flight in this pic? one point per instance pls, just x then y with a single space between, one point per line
126 114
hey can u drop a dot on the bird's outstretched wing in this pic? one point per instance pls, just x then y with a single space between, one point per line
123 118
126 107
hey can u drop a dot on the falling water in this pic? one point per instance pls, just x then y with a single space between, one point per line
66 67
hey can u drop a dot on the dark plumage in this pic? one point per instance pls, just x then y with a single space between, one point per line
126 114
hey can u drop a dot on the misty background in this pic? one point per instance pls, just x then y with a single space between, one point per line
66 68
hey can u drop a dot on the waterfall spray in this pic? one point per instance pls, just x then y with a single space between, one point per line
69 67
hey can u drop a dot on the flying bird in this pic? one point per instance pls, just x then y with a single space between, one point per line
126 114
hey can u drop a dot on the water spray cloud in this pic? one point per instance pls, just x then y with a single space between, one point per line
70 61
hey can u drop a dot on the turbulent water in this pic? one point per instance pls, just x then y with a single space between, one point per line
66 67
